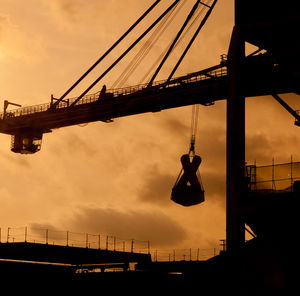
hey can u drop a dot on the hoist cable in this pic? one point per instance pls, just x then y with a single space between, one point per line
127 51
107 52
194 128
131 67
174 41
192 40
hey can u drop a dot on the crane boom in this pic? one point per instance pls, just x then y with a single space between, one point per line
28 124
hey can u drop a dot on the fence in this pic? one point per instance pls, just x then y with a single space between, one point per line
184 254
74 239
103 242
279 177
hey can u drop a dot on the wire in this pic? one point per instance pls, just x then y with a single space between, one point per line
137 59
193 39
121 80
107 52
127 51
189 17
194 128
155 64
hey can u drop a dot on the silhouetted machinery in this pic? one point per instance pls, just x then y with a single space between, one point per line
28 124
26 143
188 189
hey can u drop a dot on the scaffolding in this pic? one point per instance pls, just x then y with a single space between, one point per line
274 178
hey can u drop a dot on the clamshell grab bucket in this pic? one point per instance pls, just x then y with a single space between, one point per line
188 189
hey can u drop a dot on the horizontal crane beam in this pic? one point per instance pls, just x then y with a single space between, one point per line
197 88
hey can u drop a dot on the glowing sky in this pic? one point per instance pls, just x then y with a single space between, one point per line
116 178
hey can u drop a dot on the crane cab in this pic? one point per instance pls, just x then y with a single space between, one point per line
26 143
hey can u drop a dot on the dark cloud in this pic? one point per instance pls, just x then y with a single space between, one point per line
259 146
262 147
174 125
154 226
156 187
15 159
75 144
42 232
78 10
214 184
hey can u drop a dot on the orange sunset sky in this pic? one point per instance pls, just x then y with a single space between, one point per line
116 178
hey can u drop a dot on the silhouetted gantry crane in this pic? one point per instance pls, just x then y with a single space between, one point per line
270 70
28 124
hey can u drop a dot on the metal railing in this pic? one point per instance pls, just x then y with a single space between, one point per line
102 242
119 92
74 239
171 255
275 177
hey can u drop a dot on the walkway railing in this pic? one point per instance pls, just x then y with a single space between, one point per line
73 239
170 255
102 242
119 92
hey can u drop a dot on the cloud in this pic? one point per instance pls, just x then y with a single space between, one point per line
174 125
156 187
18 44
262 147
80 12
143 225
76 10
41 232
214 184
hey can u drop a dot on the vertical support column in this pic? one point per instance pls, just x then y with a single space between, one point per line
235 185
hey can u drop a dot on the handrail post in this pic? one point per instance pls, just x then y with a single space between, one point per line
8 228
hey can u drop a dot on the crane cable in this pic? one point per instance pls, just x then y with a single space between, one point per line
155 64
143 52
126 51
193 38
190 15
194 128
107 52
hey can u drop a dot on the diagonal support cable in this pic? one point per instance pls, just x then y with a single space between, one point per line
127 51
106 53
192 40
174 42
